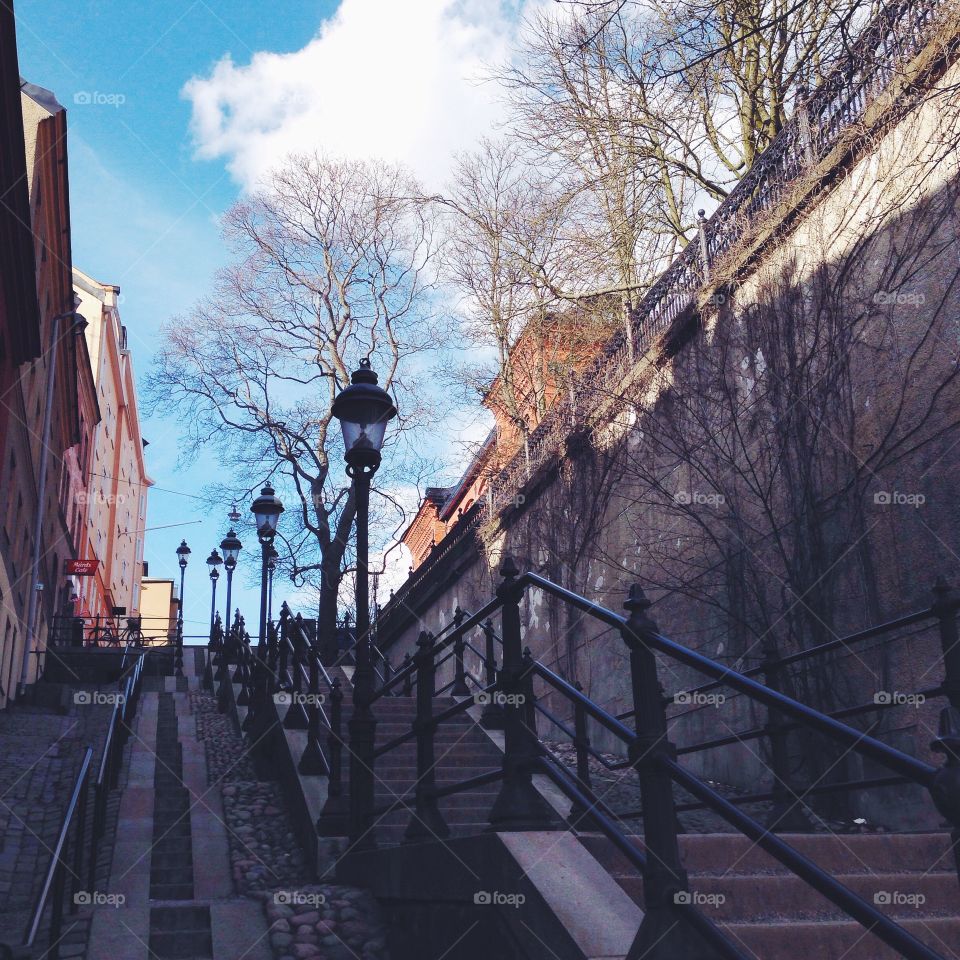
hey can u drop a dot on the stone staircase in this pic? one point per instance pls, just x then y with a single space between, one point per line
461 749
773 915
574 881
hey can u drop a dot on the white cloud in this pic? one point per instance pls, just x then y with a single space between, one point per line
400 81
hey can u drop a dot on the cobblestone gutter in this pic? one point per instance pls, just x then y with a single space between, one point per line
308 920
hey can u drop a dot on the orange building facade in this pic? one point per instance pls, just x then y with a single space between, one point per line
541 364
114 504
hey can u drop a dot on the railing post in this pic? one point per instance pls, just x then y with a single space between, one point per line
945 607
223 675
945 789
459 688
946 786
243 673
529 697
518 805
580 817
408 679
207 681
334 818
220 656
803 122
296 718
663 935
427 822
283 674
387 674
492 716
239 632
704 247
312 761
787 815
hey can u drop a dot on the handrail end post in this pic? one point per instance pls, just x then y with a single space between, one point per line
664 879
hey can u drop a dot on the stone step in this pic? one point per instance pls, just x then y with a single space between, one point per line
839 940
762 898
727 853
462 761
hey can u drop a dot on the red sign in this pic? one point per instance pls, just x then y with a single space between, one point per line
81 568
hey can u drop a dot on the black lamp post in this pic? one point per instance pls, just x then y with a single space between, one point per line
231 547
271 566
363 409
213 561
183 551
266 510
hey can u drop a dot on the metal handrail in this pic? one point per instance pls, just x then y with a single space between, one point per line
908 620
53 880
908 768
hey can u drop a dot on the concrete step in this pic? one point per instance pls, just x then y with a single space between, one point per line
761 898
726 854
839 940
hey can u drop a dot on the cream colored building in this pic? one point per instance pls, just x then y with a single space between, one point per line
158 609
118 485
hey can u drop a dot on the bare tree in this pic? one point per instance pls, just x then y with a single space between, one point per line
333 262
660 106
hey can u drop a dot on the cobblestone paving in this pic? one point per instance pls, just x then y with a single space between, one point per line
40 755
308 920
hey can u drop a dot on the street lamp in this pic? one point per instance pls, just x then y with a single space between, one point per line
183 551
213 561
231 547
266 509
363 409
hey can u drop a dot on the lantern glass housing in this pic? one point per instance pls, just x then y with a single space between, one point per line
267 509
183 551
231 547
363 409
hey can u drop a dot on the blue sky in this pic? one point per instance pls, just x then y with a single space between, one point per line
174 108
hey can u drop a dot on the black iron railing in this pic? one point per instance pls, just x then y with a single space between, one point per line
650 752
111 631
73 861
